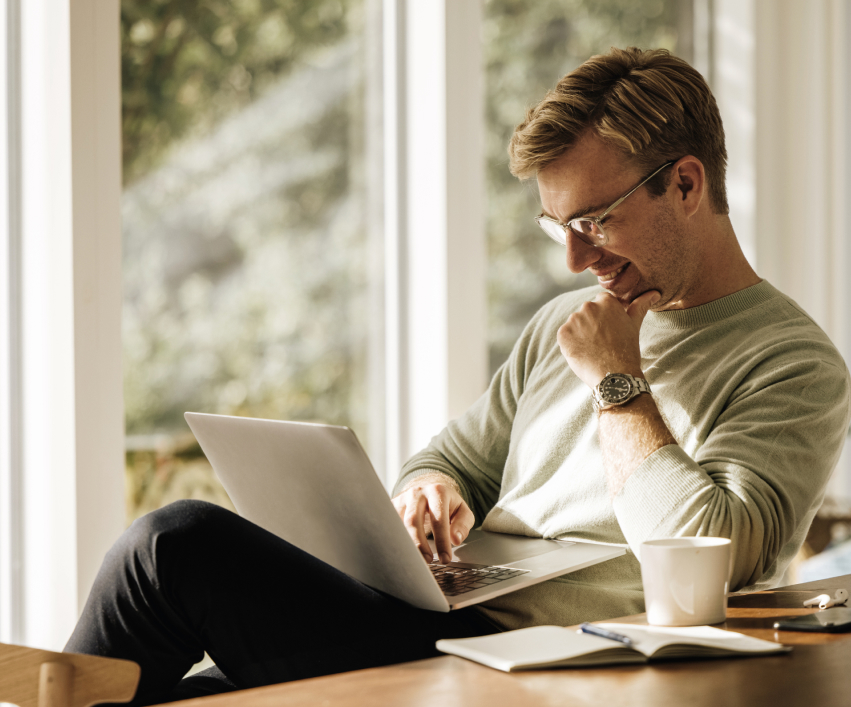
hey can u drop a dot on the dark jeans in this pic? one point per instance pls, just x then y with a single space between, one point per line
193 577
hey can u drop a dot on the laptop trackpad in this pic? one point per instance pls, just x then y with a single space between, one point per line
486 548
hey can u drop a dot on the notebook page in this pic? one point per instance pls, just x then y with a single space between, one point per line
649 639
538 645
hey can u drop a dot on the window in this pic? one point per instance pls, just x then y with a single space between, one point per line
60 290
251 226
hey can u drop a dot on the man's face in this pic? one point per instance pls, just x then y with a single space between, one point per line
648 247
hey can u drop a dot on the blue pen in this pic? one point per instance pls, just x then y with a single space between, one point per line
605 633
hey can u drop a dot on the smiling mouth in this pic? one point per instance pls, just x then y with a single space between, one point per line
613 274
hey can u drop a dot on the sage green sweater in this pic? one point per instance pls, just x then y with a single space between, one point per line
753 391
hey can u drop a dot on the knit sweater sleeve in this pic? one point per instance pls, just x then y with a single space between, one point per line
759 474
473 448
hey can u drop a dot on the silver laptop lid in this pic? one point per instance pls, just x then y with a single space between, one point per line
309 484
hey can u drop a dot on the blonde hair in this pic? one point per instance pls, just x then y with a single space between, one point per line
650 105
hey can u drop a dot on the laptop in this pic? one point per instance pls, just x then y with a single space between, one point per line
314 486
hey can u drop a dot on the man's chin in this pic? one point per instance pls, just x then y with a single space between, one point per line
626 297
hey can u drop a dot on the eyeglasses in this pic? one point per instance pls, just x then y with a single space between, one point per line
588 229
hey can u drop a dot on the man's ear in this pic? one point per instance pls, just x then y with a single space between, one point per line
689 182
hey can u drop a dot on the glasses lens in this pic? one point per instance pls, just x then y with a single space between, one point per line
588 231
553 230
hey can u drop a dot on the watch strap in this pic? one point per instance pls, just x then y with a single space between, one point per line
642 385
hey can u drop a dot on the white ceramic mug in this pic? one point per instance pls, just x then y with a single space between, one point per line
686 580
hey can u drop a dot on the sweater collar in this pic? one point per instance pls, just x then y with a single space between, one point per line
714 311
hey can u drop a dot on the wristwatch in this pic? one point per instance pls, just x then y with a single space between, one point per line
617 389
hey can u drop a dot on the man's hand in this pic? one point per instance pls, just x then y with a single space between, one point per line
602 337
433 503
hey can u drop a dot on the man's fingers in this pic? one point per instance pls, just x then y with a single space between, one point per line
462 523
639 307
438 506
414 518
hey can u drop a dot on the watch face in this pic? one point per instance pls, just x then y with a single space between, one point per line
615 388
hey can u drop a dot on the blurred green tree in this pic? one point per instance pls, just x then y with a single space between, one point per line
244 237
187 63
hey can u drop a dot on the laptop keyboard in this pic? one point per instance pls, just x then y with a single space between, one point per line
459 577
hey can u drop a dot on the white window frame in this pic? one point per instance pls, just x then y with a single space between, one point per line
62 472
11 591
435 257
781 76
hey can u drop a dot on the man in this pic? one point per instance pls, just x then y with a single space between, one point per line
725 417
749 402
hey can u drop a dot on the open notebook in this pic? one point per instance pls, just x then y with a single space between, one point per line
556 647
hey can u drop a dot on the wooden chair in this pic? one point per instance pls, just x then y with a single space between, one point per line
34 678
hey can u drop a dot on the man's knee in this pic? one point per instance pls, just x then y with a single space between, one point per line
170 532
180 517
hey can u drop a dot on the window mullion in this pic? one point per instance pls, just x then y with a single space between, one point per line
11 589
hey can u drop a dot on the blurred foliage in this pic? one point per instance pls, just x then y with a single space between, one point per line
187 63
528 47
246 271
209 323
157 476
245 254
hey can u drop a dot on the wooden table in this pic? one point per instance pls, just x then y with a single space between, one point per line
817 673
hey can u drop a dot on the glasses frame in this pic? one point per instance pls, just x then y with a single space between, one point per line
596 220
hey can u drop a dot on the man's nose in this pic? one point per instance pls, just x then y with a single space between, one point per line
579 254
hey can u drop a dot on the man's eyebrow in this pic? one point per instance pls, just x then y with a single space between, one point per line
579 212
